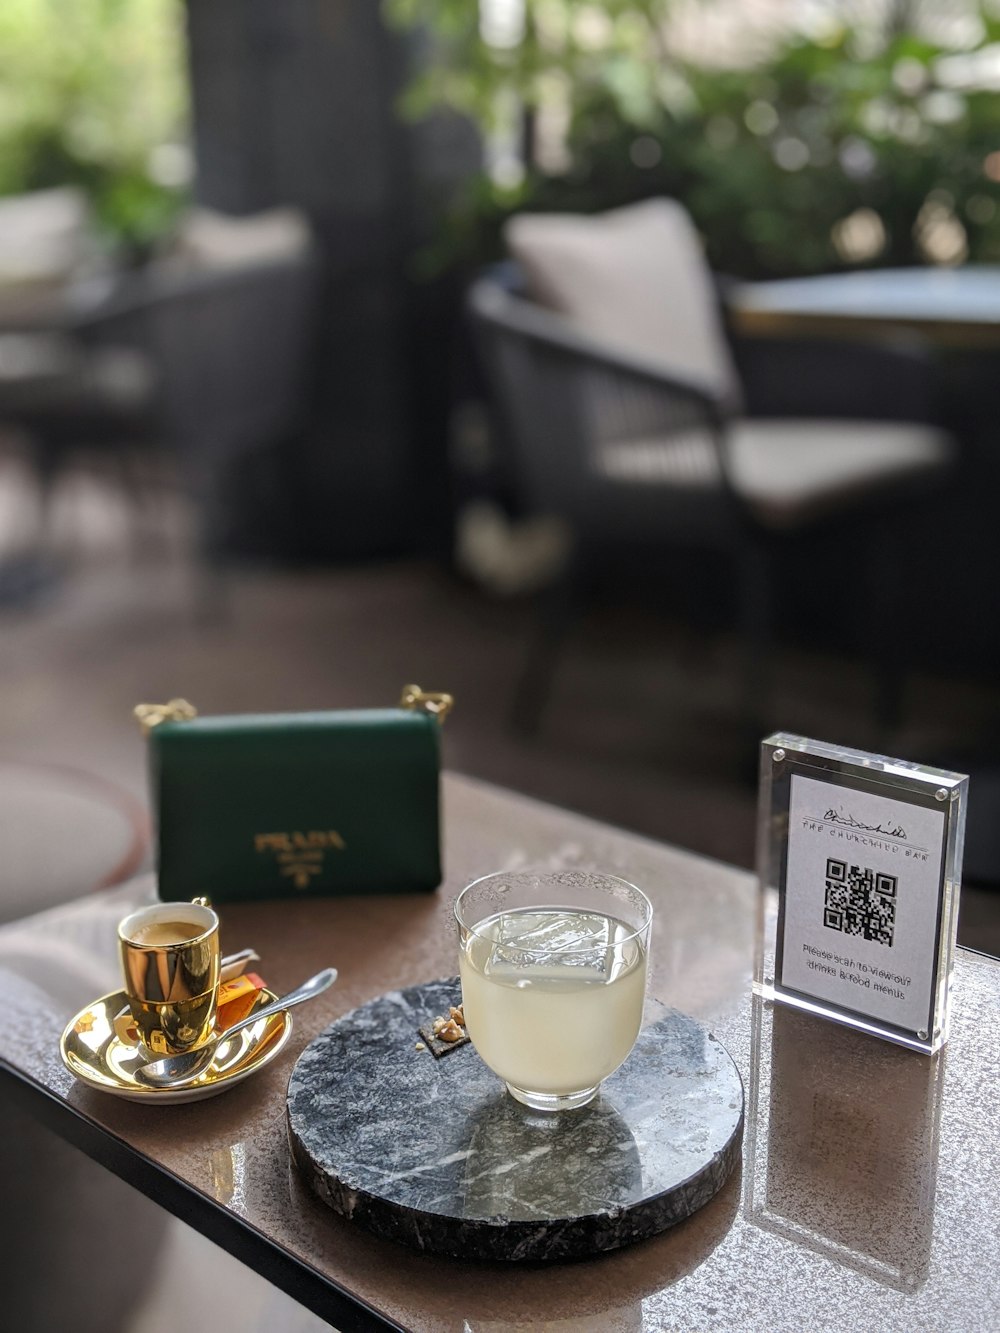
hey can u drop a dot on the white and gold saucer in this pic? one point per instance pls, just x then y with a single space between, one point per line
94 1053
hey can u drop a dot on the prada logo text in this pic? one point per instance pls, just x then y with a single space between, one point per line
299 856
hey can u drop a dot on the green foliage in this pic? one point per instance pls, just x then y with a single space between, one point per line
88 89
771 159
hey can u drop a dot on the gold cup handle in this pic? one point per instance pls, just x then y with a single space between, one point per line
201 902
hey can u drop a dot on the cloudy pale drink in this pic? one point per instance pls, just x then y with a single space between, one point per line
553 997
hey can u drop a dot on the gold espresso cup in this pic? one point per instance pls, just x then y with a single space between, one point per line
170 958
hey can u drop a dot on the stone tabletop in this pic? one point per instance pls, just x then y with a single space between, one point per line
869 1192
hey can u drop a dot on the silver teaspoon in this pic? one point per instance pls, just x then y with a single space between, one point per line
173 1069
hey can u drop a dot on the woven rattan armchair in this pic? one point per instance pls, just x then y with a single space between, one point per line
633 453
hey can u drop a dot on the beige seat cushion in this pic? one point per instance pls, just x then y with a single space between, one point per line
787 471
64 832
634 278
45 244
207 239
42 235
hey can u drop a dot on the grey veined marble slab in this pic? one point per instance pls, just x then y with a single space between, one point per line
435 1153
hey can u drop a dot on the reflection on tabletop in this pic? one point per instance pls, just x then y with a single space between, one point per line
546 1181
842 1144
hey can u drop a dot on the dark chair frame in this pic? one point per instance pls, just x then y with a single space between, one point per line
229 351
558 396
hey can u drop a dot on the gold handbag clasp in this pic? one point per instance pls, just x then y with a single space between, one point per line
438 705
151 715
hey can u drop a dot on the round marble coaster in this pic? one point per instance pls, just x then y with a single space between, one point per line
435 1153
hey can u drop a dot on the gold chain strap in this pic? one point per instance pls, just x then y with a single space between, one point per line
151 715
438 705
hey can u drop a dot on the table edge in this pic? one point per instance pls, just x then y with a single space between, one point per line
298 1279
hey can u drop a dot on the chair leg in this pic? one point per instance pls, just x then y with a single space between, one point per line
886 580
145 487
756 597
559 606
212 602
31 572
47 459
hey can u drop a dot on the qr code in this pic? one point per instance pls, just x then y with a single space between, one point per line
860 901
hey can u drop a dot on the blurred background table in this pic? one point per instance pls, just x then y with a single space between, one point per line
949 307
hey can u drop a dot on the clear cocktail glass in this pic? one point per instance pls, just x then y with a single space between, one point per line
553 967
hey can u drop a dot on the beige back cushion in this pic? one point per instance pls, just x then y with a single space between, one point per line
635 278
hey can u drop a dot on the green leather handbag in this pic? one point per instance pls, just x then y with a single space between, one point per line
286 805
